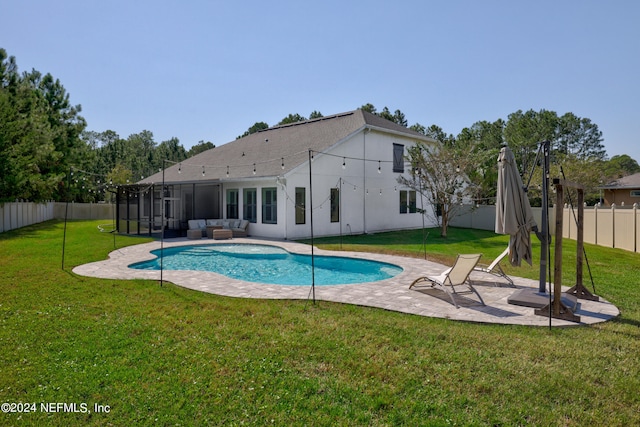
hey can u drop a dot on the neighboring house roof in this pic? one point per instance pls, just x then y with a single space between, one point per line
627 182
262 154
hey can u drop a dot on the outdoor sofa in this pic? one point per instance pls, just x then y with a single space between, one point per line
238 227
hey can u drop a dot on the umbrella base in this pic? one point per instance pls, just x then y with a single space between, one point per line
536 299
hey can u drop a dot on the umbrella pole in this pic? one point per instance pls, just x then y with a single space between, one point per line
544 241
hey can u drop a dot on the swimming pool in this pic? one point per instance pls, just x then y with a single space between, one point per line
269 264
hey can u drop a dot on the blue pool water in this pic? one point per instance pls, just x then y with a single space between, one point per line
269 264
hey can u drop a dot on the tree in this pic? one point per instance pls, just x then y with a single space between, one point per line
169 150
579 138
292 118
369 108
200 147
439 174
257 127
487 140
620 166
39 134
524 132
315 115
418 128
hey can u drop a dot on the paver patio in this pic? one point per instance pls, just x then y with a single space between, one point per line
391 294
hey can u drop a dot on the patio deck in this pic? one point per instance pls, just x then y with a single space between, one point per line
391 294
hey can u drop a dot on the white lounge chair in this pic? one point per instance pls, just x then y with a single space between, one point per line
456 276
495 268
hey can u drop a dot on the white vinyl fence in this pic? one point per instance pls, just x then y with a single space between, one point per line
21 214
614 227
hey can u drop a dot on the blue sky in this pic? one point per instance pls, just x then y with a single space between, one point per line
208 70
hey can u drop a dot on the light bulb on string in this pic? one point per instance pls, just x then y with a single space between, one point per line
202 170
254 168
344 163
180 168
227 171
282 165
379 170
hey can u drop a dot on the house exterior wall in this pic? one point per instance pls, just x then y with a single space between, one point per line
369 201
621 197
258 228
356 172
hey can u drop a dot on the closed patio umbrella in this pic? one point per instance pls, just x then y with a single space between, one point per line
513 211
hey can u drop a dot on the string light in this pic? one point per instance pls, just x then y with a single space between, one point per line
202 170
227 171
254 168
180 168
379 170
282 165
344 163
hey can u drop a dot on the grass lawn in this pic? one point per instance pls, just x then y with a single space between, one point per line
171 356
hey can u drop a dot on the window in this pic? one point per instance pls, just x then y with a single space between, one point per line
403 202
635 193
269 205
232 203
300 201
408 201
398 158
250 204
412 202
335 205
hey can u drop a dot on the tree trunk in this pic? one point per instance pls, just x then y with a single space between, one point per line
445 223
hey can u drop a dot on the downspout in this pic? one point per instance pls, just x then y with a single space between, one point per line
364 180
283 187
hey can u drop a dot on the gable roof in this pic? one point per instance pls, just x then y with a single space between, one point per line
627 182
263 154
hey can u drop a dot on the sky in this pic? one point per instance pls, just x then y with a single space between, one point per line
208 70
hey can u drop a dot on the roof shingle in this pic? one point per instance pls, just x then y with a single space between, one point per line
263 154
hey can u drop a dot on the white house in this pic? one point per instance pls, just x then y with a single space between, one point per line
339 172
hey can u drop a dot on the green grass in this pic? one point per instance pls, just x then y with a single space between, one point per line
171 356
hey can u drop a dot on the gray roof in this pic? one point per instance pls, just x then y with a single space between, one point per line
627 182
266 151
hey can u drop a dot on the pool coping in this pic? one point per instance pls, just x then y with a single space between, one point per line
389 294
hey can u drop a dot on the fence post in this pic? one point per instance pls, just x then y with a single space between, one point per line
635 227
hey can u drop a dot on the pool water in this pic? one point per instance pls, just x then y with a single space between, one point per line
269 264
